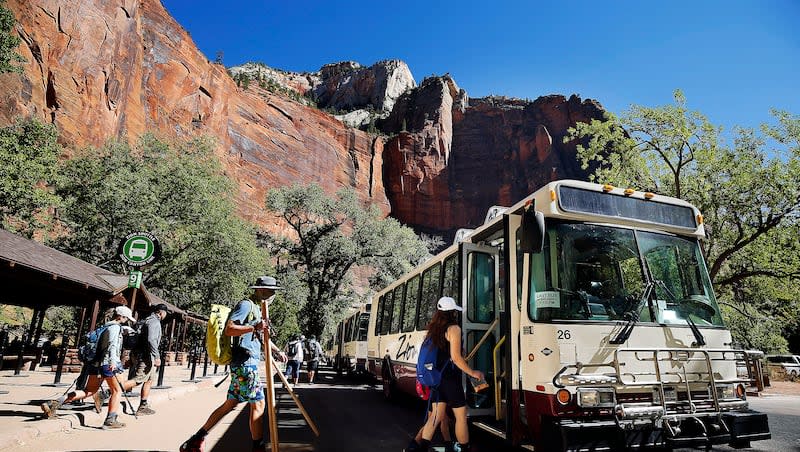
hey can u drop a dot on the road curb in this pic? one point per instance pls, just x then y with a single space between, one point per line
66 421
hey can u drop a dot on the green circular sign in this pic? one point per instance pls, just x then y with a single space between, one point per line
139 248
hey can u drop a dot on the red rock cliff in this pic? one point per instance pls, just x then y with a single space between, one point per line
449 162
103 69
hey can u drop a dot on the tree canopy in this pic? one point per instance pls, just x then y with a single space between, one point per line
28 166
747 188
175 191
331 237
8 42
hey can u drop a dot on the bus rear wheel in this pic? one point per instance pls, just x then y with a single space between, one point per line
389 386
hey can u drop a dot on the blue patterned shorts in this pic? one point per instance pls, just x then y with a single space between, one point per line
245 384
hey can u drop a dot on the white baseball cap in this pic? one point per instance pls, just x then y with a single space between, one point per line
124 311
448 304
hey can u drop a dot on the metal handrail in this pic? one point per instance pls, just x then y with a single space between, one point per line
497 377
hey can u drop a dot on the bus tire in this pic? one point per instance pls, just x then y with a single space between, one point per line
389 386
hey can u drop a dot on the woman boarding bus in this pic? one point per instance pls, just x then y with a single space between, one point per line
591 310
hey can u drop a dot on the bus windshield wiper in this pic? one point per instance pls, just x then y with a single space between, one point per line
698 336
633 315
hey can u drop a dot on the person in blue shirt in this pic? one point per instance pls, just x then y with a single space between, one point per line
246 327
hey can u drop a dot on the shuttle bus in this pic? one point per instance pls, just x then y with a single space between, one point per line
592 314
349 346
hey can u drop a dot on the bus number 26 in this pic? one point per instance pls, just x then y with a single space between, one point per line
564 334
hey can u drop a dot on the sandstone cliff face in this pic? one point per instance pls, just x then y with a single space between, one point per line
103 69
349 86
455 162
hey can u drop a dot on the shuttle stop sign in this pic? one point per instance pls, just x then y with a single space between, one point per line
139 249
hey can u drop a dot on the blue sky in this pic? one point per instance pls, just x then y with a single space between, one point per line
734 60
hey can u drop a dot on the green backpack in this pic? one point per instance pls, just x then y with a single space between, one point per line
218 344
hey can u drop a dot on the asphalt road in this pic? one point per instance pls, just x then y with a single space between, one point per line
350 413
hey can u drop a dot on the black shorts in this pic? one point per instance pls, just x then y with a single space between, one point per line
312 365
450 391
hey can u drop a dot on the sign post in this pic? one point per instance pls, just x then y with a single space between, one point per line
137 250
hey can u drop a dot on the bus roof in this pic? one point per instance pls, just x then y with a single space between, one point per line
590 202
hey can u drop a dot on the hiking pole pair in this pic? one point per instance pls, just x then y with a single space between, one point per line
125 394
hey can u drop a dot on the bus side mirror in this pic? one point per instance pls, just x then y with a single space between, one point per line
532 231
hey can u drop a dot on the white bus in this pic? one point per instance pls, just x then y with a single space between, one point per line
596 322
348 353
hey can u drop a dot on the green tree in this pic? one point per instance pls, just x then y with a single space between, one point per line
28 166
179 193
9 58
332 236
749 193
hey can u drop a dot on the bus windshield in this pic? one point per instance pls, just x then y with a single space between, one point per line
601 273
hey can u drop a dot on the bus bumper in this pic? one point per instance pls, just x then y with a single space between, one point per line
736 429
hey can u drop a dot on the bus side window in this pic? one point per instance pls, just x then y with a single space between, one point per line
481 296
412 304
379 315
348 330
451 278
397 309
430 295
387 313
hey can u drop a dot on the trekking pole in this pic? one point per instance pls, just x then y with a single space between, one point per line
224 378
125 394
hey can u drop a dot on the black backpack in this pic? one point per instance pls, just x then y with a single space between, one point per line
313 350
292 352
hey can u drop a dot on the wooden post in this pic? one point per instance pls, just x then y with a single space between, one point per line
26 343
171 335
268 364
133 304
80 327
95 311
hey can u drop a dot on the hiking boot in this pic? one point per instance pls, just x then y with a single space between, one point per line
50 408
193 444
144 410
112 424
98 402
449 446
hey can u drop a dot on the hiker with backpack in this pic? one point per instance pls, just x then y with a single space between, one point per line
145 356
245 326
439 366
295 353
314 355
103 366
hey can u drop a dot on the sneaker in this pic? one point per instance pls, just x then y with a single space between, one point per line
112 424
449 446
98 402
193 444
50 408
144 410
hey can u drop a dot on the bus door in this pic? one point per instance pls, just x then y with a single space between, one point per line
480 287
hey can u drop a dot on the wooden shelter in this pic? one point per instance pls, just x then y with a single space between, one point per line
38 277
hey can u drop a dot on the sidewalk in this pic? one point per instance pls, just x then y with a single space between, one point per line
22 420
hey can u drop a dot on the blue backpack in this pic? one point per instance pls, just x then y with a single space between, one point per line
87 351
427 373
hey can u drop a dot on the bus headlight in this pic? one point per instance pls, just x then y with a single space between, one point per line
596 397
731 392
